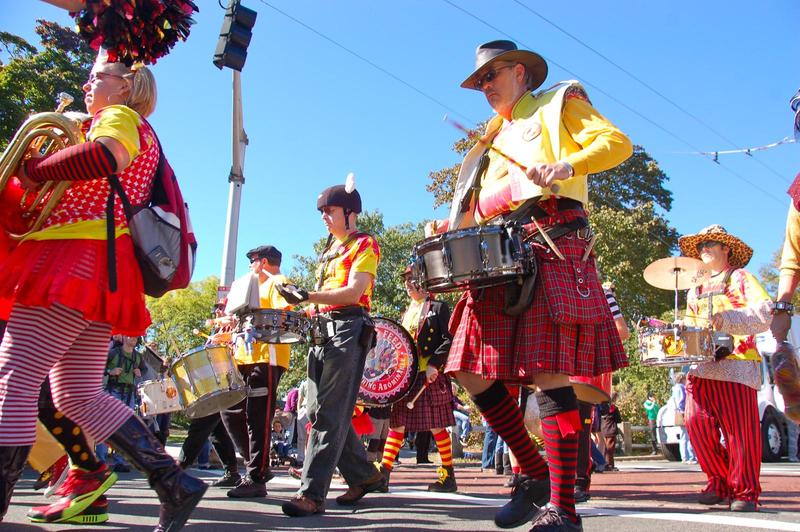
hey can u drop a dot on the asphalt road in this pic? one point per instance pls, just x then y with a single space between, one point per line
652 495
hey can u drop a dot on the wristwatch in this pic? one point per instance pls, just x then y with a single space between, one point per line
783 306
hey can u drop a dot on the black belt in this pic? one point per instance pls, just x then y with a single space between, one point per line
557 231
352 311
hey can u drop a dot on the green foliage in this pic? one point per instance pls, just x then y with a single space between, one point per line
770 275
633 383
31 79
178 313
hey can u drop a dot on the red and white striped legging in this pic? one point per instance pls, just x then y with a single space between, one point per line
74 351
733 470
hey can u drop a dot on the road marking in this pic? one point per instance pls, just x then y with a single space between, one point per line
695 518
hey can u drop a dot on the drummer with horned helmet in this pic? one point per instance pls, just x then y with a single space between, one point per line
343 335
722 394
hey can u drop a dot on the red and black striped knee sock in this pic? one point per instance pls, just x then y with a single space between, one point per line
394 440
560 424
445 447
505 417
71 438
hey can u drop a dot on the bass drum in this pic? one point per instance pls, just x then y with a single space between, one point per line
594 390
391 367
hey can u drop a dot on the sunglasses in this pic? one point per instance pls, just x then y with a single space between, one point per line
95 76
707 244
490 76
254 259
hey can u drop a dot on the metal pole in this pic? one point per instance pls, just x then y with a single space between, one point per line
236 180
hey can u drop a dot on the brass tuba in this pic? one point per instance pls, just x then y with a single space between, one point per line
44 133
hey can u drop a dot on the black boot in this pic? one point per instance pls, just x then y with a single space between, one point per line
178 491
12 462
446 482
387 473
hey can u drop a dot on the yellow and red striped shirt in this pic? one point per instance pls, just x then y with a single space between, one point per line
359 254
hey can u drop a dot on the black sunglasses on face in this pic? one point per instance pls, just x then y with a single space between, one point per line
707 244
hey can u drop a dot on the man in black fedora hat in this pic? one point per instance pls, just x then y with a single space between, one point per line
545 145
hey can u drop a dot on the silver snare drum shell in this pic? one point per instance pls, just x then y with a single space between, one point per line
675 346
275 326
480 256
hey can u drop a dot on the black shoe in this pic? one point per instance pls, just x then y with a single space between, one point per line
551 518
743 506
178 491
446 482
387 473
12 462
581 494
122 468
229 479
710 498
248 489
512 481
526 498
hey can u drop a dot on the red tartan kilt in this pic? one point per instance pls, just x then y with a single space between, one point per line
433 409
488 343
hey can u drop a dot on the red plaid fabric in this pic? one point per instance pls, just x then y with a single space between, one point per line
433 409
488 343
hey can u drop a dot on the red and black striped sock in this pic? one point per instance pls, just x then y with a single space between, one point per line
561 423
562 457
505 417
90 160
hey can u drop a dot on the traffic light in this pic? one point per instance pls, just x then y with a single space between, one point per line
234 37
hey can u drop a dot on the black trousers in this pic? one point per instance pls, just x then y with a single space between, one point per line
199 431
583 472
250 422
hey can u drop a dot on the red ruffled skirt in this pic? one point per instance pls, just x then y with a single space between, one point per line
74 273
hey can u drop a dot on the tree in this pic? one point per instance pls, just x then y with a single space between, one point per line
176 314
770 275
31 80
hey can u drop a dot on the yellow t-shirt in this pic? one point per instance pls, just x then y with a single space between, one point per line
359 254
120 123
274 354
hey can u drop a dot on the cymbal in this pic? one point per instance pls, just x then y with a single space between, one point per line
685 271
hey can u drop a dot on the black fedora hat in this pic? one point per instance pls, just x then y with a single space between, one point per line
507 51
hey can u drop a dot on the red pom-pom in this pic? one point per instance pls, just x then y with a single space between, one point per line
135 30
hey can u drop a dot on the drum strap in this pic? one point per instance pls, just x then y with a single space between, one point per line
475 182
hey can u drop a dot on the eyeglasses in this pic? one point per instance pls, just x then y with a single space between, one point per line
490 76
254 259
707 244
95 76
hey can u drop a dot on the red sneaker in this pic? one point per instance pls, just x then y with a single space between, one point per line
96 513
78 492
51 475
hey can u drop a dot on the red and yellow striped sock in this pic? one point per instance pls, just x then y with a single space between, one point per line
445 448
393 443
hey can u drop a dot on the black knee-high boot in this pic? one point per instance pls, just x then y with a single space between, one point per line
178 491
12 462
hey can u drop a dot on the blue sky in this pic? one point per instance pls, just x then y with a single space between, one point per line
362 86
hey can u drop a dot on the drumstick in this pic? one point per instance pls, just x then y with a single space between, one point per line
553 186
198 332
410 404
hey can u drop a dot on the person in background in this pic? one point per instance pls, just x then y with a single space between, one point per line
651 409
609 421
678 399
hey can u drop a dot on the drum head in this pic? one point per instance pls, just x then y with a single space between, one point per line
391 366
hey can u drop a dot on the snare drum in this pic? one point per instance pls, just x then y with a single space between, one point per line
471 258
207 380
391 367
158 396
675 346
276 326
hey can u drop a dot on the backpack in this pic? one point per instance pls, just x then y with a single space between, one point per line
163 239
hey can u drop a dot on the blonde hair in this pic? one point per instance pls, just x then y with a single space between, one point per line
143 93
680 377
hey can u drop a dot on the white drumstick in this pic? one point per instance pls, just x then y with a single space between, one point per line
410 404
199 333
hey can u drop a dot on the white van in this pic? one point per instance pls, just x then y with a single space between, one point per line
770 407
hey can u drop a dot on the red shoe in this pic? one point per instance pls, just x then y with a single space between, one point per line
96 513
78 492
50 475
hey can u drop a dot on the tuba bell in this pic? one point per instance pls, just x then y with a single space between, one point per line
24 212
